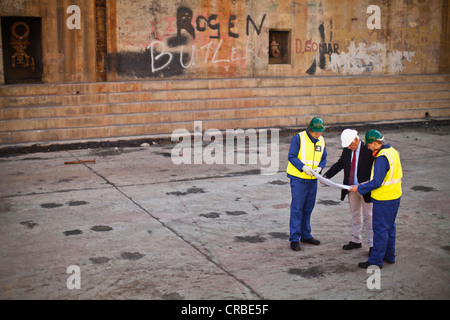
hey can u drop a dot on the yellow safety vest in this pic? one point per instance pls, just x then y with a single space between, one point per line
309 153
391 187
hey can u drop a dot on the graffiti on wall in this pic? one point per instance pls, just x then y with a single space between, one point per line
367 58
184 22
365 53
376 57
323 48
190 40
227 43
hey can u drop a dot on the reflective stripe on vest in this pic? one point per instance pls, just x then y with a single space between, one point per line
391 188
309 153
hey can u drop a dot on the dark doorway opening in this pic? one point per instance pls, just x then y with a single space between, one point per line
22 49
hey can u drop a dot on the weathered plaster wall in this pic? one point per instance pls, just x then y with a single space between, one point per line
231 37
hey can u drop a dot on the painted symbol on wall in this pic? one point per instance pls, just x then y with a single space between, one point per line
324 48
20 32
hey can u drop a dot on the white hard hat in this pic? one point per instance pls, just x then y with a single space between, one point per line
347 137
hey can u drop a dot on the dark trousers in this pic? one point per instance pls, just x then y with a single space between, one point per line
384 231
303 194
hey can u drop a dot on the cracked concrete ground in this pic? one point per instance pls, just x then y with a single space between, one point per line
140 227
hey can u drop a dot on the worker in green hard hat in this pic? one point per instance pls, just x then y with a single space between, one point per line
317 125
307 154
385 186
373 135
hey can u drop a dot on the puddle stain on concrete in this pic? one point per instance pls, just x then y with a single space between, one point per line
131 255
72 232
235 213
99 260
423 188
188 191
51 205
211 215
318 271
30 224
164 154
34 158
214 215
250 239
328 202
278 182
73 203
77 203
101 228
308 273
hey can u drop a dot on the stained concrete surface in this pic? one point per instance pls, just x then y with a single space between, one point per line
140 227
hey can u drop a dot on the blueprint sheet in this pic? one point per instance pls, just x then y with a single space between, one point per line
330 183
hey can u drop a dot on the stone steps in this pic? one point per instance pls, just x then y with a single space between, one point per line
60 121
54 113
129 86
218 93
149 107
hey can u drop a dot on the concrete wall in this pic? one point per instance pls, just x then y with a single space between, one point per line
232 38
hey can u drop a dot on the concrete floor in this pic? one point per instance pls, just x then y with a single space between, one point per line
137 226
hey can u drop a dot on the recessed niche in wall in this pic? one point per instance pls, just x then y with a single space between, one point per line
279 44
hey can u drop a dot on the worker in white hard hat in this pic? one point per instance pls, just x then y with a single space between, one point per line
356 160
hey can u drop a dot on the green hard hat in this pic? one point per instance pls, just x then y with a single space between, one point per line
317 124
373 135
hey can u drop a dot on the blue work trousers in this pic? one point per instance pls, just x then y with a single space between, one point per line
384 214
303 200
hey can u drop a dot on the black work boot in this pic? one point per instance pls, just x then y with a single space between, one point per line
295 245
311 241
